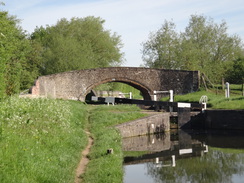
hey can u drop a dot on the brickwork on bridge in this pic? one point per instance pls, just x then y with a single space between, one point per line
77 84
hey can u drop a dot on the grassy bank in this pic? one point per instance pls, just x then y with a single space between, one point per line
105 167
41 140
216 100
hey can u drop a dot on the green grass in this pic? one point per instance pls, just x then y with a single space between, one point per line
216 100
41 140
122 87
234 88
105 167
228 150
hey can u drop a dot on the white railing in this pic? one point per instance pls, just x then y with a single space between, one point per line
171 95
130 94
203 100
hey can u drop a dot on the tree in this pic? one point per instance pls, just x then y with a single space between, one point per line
10 61
235 72
208 47
14 49
204 46
31 64
160 50
80 43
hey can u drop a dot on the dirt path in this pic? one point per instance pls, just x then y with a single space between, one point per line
84 160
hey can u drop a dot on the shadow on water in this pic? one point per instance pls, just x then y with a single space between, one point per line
180 156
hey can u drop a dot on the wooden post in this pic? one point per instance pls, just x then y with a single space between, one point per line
110 151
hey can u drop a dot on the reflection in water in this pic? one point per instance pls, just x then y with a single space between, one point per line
184 157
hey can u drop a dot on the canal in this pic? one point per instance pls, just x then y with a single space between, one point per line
185 156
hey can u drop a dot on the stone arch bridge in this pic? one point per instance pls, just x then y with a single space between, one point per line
77 84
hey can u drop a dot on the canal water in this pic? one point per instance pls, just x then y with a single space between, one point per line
185 157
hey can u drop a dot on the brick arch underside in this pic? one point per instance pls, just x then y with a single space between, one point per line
145 91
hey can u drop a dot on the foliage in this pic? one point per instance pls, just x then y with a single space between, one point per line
80 43
41 139
160 50
10 66
235 74
204 46
16 71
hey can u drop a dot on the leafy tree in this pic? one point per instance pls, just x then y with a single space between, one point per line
14 48
10 65
207 47
204 46
80 43
160 50
31 64
235 72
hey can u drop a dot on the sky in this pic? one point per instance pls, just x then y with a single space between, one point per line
133 20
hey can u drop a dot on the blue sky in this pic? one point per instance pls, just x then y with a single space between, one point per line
133 20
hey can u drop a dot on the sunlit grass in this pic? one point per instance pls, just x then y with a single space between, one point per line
229 150
105 167
216 100
41 140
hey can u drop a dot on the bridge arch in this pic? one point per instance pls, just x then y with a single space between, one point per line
76 84
145 91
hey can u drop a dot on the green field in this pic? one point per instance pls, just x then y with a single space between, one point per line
216 98
41 140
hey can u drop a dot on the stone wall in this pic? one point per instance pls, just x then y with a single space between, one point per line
35 88
157 123
77 84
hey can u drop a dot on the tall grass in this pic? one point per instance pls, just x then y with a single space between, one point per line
104 167
41 140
